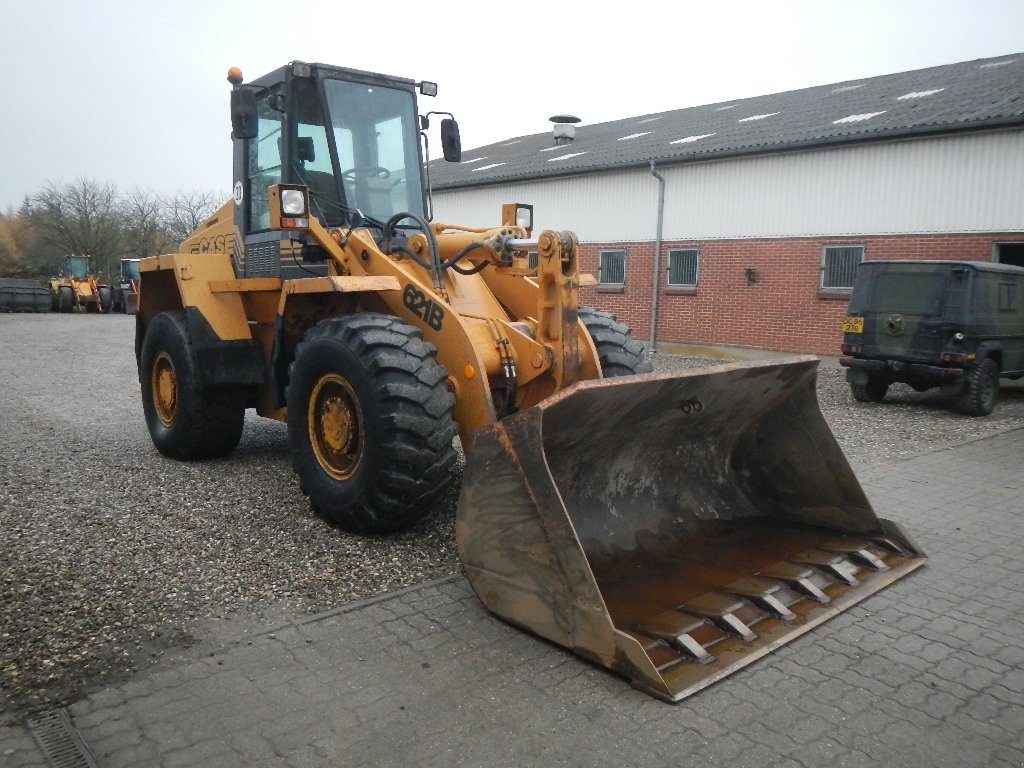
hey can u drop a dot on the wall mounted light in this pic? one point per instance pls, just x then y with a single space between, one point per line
752 276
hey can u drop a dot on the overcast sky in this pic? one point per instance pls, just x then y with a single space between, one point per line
134 93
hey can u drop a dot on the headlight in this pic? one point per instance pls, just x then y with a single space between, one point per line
293 202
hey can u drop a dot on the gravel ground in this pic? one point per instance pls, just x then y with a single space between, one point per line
113 556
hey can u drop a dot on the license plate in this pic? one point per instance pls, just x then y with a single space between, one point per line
853 325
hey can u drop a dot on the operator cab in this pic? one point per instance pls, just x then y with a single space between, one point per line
78 267
351 137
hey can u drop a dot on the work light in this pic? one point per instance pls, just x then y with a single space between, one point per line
293 202
289 206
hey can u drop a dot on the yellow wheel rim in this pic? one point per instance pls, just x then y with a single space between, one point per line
335 426
164 385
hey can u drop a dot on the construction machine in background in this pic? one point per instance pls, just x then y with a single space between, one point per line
671 527
77 288
124 294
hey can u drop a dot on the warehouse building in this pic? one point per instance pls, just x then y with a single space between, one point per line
741 224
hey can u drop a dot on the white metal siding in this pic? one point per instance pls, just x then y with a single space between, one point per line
969 183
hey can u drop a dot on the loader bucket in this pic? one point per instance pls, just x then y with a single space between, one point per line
673 527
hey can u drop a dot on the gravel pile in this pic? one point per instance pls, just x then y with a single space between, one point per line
112 556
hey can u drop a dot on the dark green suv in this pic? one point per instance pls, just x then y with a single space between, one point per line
958 325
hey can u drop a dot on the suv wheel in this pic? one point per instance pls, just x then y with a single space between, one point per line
981 389
871 392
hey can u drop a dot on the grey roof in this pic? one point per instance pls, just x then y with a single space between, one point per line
971 95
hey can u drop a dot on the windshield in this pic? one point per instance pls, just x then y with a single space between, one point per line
78 267
377 140
130 270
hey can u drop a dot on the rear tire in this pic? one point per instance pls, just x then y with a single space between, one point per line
370 422
104 300
185 420
617 351
871 392
981 389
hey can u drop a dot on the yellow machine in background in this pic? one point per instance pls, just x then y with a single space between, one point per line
671 527
77 288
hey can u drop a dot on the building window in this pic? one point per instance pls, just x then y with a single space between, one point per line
839 266
682 267
612 268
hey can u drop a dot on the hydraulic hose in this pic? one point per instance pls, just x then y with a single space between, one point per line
435 264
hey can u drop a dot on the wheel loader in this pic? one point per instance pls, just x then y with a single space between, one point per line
125 292
670 527
78 288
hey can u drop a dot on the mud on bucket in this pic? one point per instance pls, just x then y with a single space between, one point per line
673 527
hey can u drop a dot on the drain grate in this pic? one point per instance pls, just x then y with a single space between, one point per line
60 741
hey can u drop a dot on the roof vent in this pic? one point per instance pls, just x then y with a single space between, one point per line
564 128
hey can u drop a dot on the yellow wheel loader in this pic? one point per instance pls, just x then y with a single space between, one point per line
77 288
670 527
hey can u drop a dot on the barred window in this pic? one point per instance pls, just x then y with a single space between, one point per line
839 266
682 267
612 268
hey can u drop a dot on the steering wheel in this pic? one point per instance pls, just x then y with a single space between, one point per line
366 173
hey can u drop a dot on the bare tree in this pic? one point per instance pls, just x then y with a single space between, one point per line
81 217
185 211
143 218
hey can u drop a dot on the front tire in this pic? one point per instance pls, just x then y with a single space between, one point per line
186 420
981 389
370 422
65 298
617 351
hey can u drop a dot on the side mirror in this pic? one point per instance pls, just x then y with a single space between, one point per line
451 143
243 114
305 149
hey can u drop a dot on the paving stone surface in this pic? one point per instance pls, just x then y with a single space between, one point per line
928 672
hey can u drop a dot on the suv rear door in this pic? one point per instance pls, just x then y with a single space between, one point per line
905 307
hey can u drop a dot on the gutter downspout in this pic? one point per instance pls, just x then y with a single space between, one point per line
655 279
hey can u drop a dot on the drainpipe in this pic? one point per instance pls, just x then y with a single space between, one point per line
655 280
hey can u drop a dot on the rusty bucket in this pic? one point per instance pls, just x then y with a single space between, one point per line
673 527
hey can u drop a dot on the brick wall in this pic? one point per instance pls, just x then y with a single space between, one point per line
783 311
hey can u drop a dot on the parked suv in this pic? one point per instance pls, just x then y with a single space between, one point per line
958 325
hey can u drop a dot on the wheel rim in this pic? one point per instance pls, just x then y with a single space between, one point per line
164 385
335 425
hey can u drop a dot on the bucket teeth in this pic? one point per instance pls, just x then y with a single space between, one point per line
722 609
800 577
769 594
677 629
834 564
858 550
